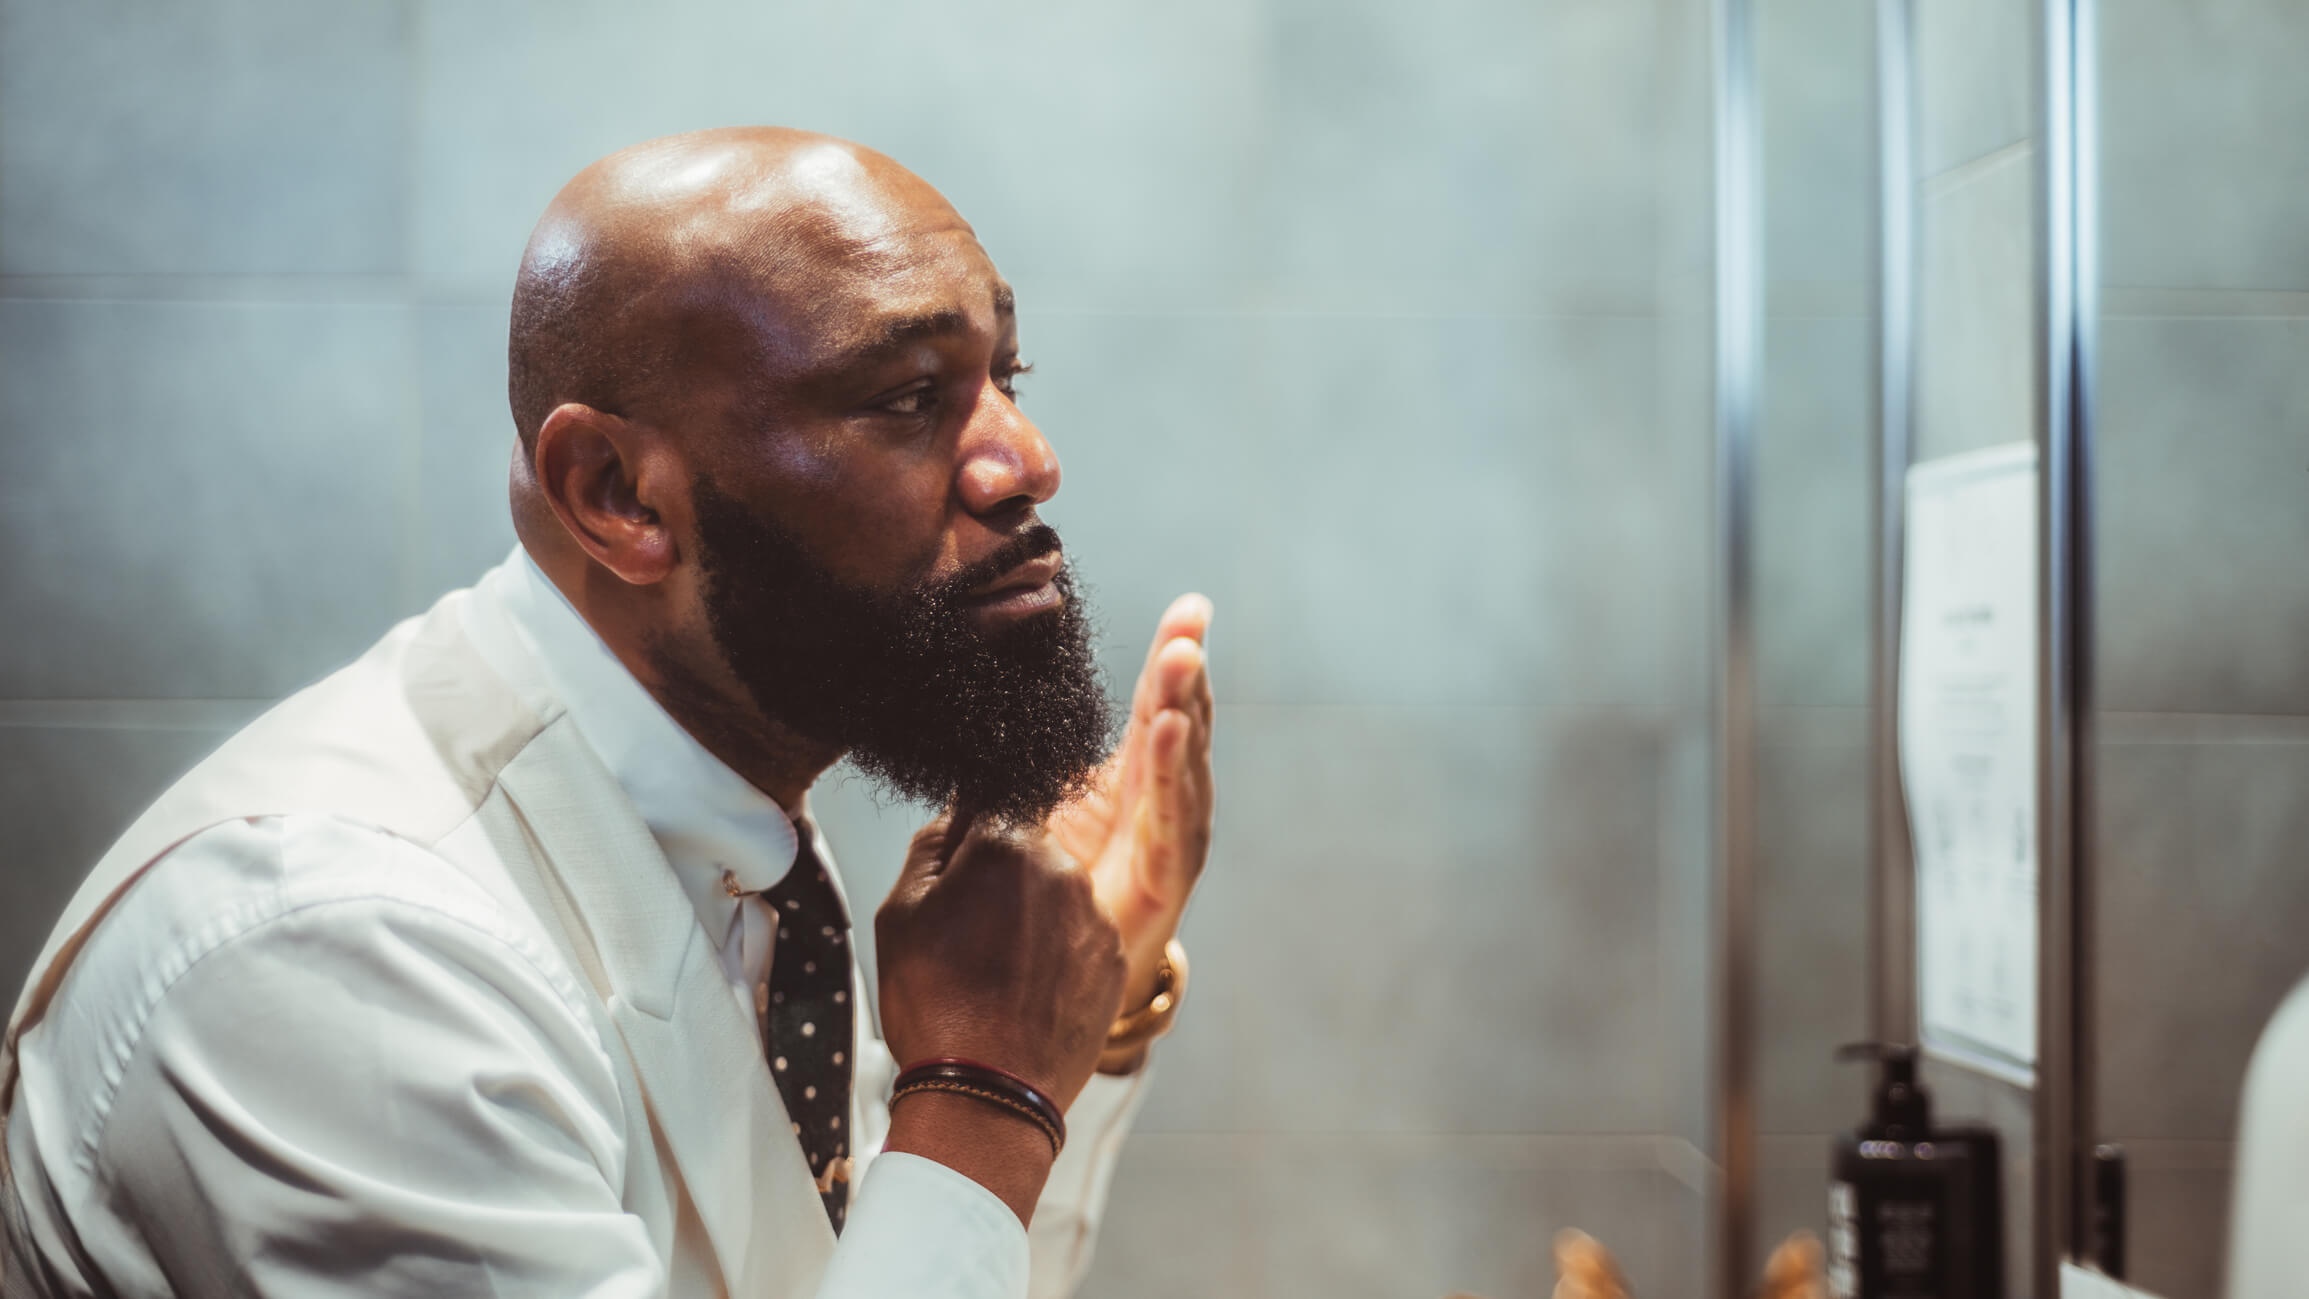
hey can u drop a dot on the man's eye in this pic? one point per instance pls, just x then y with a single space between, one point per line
1006 380
913 401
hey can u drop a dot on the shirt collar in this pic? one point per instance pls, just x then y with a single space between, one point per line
712 823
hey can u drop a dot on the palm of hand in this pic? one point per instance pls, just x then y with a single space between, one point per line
1143 828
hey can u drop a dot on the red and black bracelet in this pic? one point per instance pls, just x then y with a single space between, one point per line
987 1083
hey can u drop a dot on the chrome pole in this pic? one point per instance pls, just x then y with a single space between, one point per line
1892 866
2066 307
1738 331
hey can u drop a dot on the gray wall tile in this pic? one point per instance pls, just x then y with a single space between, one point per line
2178 1220
1975 79
205 499
68 792
1182 1218
1482 511
1192 1215
2203 477
1683 153
2201 105
1150 194
1812 919
1458 1219
1812 513
2199 920
247 136
1462 885
1816 73
1791 1193
1976 310
1687 965
1405 136
465 443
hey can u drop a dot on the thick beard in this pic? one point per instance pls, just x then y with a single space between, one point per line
1011 725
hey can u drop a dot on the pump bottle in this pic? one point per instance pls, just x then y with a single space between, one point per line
1914 1211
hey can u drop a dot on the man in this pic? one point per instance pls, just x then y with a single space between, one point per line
506 961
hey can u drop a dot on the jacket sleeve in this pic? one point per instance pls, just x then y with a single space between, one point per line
360 1081
1073 1203
918 1228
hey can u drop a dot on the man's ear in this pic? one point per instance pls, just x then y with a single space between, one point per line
608 479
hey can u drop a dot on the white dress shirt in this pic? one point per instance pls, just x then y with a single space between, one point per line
304 1056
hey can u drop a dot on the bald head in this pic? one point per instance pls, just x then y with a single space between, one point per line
771 451
713 250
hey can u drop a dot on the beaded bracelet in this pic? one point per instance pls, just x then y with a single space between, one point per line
987 1083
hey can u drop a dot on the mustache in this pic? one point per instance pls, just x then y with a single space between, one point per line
1032 542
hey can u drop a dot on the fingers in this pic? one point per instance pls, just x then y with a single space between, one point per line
1188 622
1178 804
926 855
932 851
1170 677
1188 616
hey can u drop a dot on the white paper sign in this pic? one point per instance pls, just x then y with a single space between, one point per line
1968 677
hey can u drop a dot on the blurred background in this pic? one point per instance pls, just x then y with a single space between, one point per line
1393 328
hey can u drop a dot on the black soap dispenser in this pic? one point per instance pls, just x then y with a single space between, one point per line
1914 1211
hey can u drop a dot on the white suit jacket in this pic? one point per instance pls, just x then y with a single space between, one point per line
415 890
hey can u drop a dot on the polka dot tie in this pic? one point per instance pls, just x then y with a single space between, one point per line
808 1023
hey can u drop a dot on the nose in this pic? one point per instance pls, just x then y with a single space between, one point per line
1004 462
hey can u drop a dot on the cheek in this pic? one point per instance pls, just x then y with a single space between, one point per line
882 525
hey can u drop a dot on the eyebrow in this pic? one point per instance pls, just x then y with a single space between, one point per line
898 331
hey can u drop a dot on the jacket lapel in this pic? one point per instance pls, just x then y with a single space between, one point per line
701 1072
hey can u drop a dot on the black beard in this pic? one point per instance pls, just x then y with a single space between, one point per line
1010 725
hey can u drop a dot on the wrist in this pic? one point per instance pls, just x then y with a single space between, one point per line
1006 1153
989 1083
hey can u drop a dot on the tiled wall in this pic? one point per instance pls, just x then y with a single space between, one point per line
2204 596
1816 80
1385 325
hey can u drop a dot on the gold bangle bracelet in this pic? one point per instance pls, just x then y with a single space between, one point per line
1152 1020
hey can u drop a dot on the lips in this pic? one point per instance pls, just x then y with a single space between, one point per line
1033 574
1029 588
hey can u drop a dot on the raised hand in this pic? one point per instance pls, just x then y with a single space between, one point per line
991 947
1145 828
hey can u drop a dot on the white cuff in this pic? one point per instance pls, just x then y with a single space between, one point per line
917 1227
1074 1199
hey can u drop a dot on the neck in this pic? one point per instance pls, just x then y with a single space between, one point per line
771 757
706 700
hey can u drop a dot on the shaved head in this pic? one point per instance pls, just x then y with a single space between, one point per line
667 252
771 449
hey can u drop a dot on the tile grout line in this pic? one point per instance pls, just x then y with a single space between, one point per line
130 714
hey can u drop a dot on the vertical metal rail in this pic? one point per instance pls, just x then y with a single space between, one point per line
2083 757
2067 250
1891 873
1738 329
